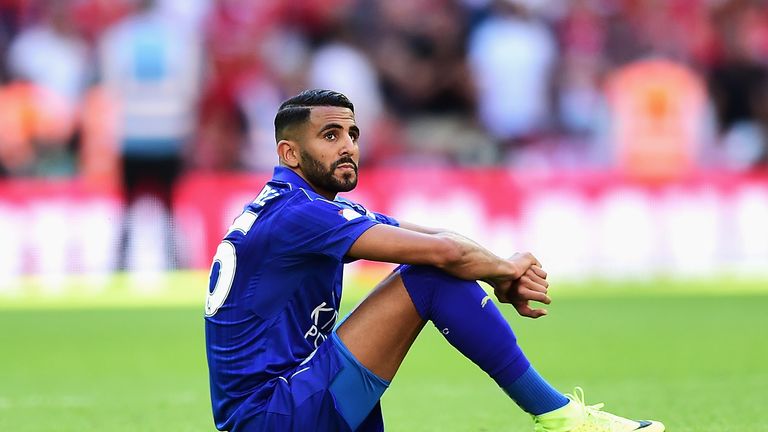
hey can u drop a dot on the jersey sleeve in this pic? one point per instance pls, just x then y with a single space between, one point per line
321 227
388 220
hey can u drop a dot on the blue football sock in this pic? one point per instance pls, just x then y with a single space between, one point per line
534 394
472 323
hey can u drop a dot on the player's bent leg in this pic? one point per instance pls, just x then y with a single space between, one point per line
382 328
470 321
379 332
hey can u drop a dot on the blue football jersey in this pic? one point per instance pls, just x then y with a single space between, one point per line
275 289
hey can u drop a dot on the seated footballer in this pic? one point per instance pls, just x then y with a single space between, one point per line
278 358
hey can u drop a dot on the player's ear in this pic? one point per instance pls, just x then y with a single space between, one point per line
288 152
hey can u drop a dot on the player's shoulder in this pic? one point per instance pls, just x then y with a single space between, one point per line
310 207
278 195
299 198
293 203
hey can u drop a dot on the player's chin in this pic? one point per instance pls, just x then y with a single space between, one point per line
347 182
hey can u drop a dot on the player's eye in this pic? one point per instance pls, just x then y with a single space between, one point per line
355 136
330 136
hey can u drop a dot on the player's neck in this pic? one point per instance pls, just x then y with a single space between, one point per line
325 194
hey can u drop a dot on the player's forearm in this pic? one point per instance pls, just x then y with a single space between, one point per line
471 261
448 251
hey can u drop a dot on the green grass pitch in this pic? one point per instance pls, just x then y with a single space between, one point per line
685 354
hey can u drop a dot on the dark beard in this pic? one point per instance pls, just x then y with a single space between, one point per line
325 180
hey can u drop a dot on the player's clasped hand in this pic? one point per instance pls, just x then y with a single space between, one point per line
532 285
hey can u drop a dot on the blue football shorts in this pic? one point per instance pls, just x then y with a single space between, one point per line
330 391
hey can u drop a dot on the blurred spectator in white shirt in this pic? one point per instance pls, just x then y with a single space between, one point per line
52 55
512 56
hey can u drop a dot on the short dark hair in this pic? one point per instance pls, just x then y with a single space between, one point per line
296 109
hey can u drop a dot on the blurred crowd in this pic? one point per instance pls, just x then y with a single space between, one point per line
96 87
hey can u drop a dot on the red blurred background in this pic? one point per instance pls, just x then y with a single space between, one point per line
610 137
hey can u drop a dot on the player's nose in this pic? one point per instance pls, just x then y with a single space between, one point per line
348 146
